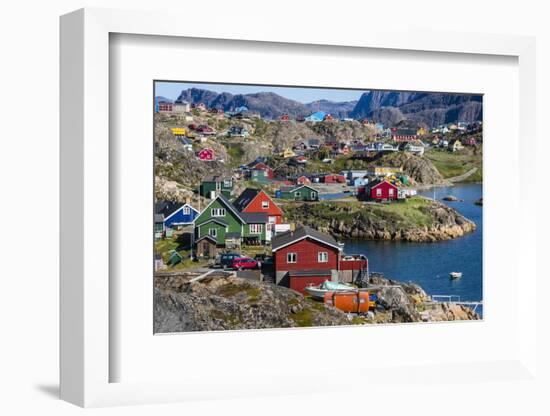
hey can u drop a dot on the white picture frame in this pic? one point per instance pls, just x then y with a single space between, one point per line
85 211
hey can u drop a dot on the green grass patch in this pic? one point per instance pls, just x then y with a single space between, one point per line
236 153
303 318
450 164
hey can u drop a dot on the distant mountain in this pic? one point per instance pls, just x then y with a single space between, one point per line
161 99
387 107
337 109
390 107
267 104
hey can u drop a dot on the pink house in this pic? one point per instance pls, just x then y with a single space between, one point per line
206 154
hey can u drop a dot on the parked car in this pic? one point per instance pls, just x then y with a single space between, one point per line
226 259
264 259
241 263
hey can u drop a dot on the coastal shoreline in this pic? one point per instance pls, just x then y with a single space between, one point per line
227 302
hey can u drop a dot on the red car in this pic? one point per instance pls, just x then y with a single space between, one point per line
241 263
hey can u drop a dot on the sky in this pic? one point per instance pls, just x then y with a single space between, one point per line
304 95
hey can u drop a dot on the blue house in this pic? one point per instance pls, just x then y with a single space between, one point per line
176 214
317 116
241 109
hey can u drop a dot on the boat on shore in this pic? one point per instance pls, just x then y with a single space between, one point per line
318 292
455 275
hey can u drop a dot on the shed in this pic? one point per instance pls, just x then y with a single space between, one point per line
207 247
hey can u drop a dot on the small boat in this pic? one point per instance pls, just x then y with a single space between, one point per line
455 275
318 292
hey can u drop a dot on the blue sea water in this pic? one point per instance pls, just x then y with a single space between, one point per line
429 264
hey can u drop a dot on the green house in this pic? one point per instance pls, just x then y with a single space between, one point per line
298 193
220 219
216 185
259 175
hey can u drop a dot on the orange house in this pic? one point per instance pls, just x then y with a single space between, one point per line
257 201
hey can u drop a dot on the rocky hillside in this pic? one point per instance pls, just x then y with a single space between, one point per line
418 219
420 169
229 303
178 172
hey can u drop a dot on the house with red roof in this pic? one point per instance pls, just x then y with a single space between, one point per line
253 200
261 166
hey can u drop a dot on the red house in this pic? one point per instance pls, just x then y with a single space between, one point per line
470 141
284 117
262 166
257 201
304 257
206 154
303 180
328 117
382 190
165 107
403 135
333 178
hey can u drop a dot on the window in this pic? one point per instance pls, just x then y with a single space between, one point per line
379 192
227 183
256 228
213 232
186 210
322 257
218 186
218 212
272 220
265 204
291 258
391 191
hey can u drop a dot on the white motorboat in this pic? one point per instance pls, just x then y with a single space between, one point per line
318 292
455 275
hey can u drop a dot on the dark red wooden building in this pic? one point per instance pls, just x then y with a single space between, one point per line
305 257
334 178
382 190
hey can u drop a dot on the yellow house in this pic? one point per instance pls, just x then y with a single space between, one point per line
178 131
384 170
287 153
421 131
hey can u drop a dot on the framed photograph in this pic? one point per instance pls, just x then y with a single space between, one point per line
237 218
261 191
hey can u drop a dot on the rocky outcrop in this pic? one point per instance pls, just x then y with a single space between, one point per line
225 302
400 302
422 220
221 303
420 169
